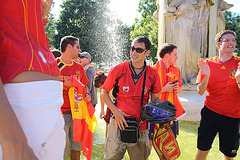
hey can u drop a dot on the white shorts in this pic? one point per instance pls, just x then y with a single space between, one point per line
37 106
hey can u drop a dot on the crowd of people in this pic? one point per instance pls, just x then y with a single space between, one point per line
36 117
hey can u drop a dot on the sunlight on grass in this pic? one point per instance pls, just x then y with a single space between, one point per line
187 142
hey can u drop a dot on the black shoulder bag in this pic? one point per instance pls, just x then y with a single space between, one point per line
131 133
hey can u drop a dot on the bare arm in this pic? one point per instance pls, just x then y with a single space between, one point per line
46 6
204 68
119 115
155 98
102 114
12 138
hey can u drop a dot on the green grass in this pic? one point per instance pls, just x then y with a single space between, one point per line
187 140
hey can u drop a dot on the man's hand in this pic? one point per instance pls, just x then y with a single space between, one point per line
204 68
120 120
67 83
169 87
176 87
237 75
102 114
46 6
87 98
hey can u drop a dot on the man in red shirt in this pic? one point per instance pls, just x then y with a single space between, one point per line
221 112
170 79
70 49
30 87
127 80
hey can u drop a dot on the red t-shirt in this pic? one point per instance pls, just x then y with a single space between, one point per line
223 93
128 88
23 42
68 70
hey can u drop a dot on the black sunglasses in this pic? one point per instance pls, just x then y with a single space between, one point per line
81 57
138 50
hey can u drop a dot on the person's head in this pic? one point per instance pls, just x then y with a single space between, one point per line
168 52
56 53
225 41
140 48
99 79
84 58
70 45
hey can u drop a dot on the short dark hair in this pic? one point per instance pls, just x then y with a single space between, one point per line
219 36
67 40
145 40
166 48
99 79
56 53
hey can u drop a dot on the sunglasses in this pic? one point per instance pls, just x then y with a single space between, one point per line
81 57
138 50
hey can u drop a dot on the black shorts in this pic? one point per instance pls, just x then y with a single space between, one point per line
228 129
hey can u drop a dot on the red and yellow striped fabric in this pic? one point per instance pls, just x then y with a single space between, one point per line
172 74
84 120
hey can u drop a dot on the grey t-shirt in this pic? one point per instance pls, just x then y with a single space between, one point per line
90 72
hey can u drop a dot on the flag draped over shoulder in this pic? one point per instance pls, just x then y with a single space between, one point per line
166 77
164 141
84 120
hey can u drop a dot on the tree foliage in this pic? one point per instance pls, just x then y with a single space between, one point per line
50 30
233 23
146 25
99 33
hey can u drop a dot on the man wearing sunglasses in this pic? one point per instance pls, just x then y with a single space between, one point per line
126 79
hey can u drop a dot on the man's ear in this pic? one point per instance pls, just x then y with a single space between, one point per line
218 45
69 46
147 52
167 55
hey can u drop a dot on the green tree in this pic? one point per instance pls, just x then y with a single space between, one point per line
99 33
233 23
146 25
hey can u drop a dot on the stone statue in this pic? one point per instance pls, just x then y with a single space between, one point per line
203 17
222 6
186 26
186 36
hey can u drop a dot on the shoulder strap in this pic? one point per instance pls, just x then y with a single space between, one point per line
144 80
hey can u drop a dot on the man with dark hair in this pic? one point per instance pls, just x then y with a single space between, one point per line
170 79
219 76
70 50
127 79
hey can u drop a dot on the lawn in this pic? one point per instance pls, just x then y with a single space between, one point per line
187 142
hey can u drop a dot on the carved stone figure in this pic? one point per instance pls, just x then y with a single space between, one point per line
222 6
186 36
203 16
186 25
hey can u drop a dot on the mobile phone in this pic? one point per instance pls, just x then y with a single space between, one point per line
173 82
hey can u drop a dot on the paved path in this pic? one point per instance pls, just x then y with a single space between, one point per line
192 103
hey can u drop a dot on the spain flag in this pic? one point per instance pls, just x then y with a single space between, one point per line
84 120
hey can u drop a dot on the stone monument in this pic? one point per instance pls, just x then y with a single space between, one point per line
191 25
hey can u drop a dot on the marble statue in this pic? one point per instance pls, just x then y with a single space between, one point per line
222 6
186 26
185 35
